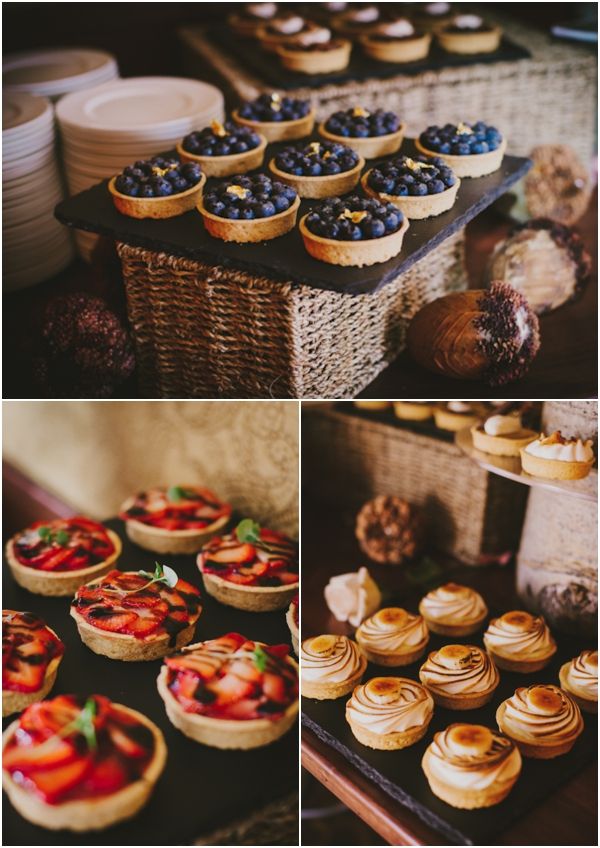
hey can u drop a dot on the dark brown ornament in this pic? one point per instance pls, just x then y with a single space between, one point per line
389 529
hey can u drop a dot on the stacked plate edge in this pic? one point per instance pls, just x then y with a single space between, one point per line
56 72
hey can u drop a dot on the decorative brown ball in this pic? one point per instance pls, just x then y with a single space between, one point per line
389 529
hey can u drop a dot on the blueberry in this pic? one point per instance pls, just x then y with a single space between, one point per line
281 203
124 183
377 228
480 147
247 213
217 207
391 221
330 166
162 188
146 190
267 209
436 187
231 212
461 149
418 189
314 170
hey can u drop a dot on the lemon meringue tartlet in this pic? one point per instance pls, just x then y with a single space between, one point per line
542 720
389 713
502 435
519 641
330 666
459 677
393 637
470 766
412 410
556 458
579 678
453 610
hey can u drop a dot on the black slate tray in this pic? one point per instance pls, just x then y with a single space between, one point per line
201 788
285 257
399 773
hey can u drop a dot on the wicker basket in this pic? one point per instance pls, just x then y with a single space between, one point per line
209 331
471 514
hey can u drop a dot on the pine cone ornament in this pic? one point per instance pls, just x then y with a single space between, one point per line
389 529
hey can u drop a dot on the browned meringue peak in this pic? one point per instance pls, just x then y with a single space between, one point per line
541 712
471 746
392 628
329 658
453 604
390 705
556 446
459 669
582 675
519 633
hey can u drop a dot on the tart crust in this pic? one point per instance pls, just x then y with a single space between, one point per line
588 705
473 165
321 691
291 623
249 598
373 405
504 445
16 702
92 813
157 207
445 419
243 232
315 188
554 469
388 741
318 61
412 411
470 42
464 799
416 208
368 148
396 50
225 166
279 130
353 253
59 583
541 750
271 42
162 541
393 659
225 733
524 666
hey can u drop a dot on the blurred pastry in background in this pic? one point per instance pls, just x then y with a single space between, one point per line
412 410
556 458
579 677
558 186
457 414
503 433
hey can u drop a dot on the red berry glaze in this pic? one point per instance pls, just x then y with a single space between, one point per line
176 508
63 544
271 561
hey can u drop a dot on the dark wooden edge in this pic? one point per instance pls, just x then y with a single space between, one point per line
25 501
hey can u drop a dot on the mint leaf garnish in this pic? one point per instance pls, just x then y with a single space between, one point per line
260 658
162 574
248 531
84 723
170 576
62 538
45 534
176 493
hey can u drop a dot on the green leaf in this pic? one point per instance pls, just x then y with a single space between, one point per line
84 723
423 571
62 538
260 658
158 571
248 531
45 534
175 493
170 577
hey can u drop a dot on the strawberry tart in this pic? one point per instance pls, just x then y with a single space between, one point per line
31 654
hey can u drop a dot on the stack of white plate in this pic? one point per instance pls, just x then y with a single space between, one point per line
35 246
108 127
53 73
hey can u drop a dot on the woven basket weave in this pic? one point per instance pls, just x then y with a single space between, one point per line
470 513
209 331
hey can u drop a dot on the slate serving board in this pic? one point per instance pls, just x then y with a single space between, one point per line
201 788
285 257
399 773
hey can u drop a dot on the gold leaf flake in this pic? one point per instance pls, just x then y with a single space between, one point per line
160 172
416 166
218 128
315 148
355 217
359 112
275 102
463 129
238 191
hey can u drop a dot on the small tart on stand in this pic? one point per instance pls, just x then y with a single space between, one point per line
370 134
579 677
542 720
251 17
135 615
457 414
56 557
396 41
276 118
81 764
157 188
460 677
453 610
224 149
352 231
389 713
469 34
373 405
471 150
284 30
318 169
502 434
314 53
253 569
422 187
432 16
293 622
174 519
357 20
330 666
519 641
554 457
233 212
393 637
231 692
31 654
412 410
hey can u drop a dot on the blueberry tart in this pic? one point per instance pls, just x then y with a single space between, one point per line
55 557
357 20
469 34
224 149
251 17
319 169
231 692
283 30
31 654
471 150
396 41
277 118
157 188
353 231
316 52
420 187
370 134
250 209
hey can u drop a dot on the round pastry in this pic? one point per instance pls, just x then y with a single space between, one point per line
157 188
502 434
283 30
353 596
249 209
318 169
396 41
373 405
470 766
542 720
393 637
421 187
316 52
489 335
459 677
292 618
174 519
358 19
412 410
136 615
453 610
56 557
519 641
223 149
327 12
330 666
353 231
432 16
247 21
469 34
276 118
389 713
389 529
471 150
253 568
31 654
558 186
231 692
81 764
370 134
579 677
556 458
456 415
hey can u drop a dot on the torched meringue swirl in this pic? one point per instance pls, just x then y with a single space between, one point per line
497 763
453 604
519 634
525 716
582 675
391 630
407 704
335 664
473 674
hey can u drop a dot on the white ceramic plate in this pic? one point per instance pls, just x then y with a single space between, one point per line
20 110
55 70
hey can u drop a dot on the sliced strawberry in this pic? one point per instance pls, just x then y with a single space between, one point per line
244 709
237 553
230 688
228 642
142 626
187 684
257 569
58 559
109 775
274 687
23 677
55 783
246 670
53 752
241 579
117 622
287 577
186 588
128 746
